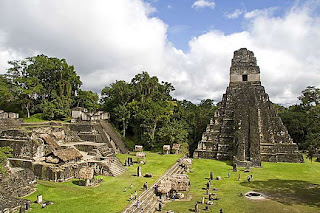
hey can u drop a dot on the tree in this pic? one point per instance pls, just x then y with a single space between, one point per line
8 99
173 132
41 80
303 120
26 85
279 109
310 96
297 123
123 114
146 111
116 99
5 92
149 115
87 99
311 152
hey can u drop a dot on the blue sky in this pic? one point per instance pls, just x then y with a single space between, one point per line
189 43
186 22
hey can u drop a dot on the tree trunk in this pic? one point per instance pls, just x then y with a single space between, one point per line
153 130
124 128
27 106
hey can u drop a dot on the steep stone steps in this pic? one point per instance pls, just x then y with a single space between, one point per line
116 168
115 136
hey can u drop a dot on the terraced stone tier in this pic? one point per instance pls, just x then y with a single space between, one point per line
245 127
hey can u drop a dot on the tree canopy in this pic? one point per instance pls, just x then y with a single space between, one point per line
145 108
46 85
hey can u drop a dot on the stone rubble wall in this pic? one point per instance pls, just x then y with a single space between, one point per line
17 183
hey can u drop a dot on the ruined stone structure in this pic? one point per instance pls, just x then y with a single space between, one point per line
82 114
246 127
9 120
16 183
58 151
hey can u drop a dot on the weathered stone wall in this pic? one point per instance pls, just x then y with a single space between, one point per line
21 143
81 127
9 124
53 172
238 78
19 182
245 127
16 183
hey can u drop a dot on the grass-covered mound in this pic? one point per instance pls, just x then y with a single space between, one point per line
291 187
109 196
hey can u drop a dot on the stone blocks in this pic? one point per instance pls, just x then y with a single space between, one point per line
245 127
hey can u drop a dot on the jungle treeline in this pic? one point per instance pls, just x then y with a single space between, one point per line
143 109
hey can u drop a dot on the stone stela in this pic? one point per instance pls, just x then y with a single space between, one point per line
39 198
139 171
166 149
245 127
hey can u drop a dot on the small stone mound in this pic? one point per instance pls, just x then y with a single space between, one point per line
255 195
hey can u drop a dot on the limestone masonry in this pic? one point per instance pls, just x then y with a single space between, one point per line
245 127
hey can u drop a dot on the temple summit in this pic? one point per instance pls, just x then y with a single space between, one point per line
246 128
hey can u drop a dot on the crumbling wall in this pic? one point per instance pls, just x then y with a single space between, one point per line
16 183
22 144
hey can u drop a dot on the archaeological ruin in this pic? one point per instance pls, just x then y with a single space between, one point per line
57 151
245 128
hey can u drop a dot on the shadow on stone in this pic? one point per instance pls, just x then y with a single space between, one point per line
288 191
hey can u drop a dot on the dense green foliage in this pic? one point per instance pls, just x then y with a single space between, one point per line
46 85
303 120
86 99
145 109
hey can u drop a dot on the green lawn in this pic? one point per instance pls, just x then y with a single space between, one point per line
291 188
108 197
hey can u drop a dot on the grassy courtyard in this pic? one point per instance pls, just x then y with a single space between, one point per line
108 197
290 187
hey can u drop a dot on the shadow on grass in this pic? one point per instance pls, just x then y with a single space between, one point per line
288 191
77 182
229 163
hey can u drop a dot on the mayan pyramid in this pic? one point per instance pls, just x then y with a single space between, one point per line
245 128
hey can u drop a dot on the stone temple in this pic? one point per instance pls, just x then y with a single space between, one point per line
245 127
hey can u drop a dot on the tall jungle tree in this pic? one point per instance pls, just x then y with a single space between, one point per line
46 82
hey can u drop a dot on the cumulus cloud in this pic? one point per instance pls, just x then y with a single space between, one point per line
235 14
202 4
116 39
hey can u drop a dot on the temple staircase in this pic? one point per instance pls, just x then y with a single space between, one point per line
116 168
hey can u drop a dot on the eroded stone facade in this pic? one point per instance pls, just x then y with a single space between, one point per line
246 127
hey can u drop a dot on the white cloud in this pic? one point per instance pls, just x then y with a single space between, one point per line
114 40
202 4
235 14
263 12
